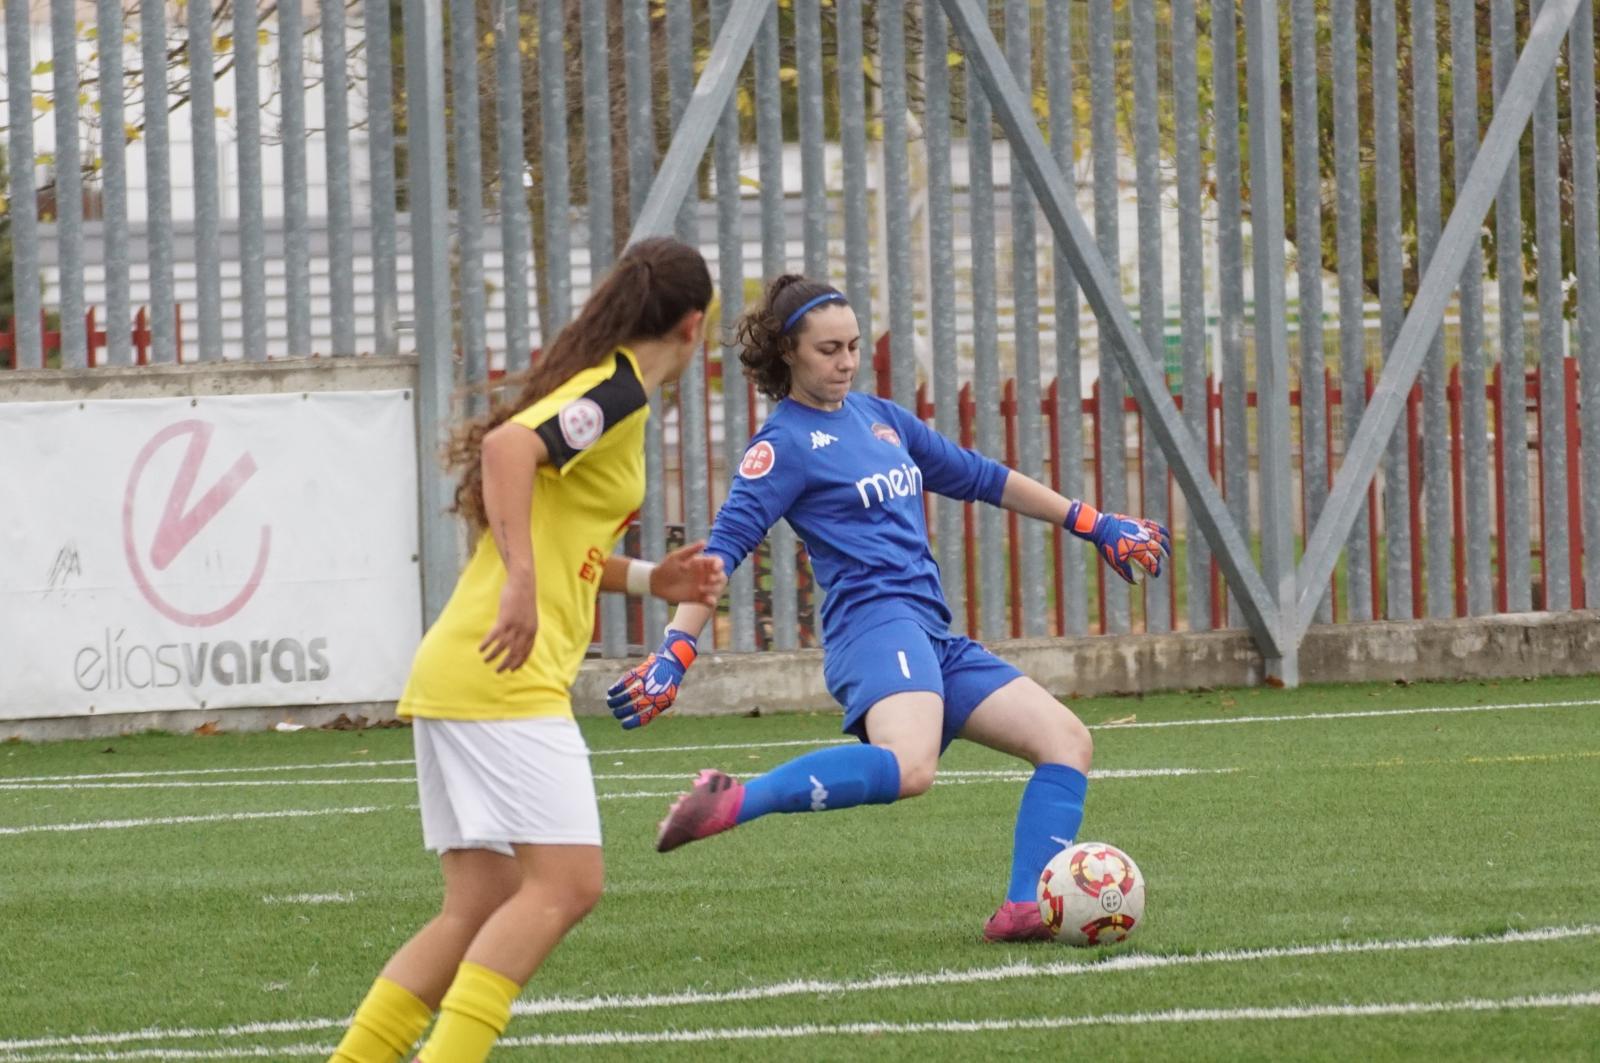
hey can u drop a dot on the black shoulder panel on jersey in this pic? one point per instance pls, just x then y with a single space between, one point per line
582 421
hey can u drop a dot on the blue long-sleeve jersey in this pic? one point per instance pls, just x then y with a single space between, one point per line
850 482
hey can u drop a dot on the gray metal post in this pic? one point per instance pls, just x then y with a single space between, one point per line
1272 334
557 185
853 148
425 94
1352 312
1512 431
1152 300
380 132
941 294
1586 234
1391 299
1230 272
252 227
158 175
897 208
114 184
1103 145
203 133
991 558
1496 153
1071 583
1477 484
735 393
69 185
29 340
1025 320
1555 555
514 240
467 174
813 176
336 121
296 227
1189 467
1314 457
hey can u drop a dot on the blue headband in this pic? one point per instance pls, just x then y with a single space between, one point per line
810 305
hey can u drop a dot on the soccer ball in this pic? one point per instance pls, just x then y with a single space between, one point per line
1091 893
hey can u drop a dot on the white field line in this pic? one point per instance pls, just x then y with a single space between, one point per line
218 817
975 975
1380 1009
337 897
1363 714
954 777
1138 1018
814 742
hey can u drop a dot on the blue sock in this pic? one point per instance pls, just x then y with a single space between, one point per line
840 777
1047 822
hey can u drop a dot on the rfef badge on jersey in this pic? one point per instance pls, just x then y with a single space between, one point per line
758 461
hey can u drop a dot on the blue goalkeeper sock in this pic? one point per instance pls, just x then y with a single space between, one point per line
841 777
1047 822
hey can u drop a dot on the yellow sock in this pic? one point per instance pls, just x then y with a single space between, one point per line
472 1016
385 1026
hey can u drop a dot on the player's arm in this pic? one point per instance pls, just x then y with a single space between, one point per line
1121 541
771 477
510 460
687 574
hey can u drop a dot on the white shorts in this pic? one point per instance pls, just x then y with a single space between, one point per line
492 784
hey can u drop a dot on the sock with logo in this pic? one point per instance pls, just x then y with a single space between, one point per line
840 777
1047 822
385 1026
472 1016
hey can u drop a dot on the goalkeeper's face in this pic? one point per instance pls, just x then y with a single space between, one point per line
826 356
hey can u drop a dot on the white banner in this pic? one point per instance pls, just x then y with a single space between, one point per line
207 553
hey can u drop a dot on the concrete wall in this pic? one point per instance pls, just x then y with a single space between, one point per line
1524 644
285 375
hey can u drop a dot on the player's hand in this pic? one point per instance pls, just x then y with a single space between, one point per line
1122 541
687 575
511 638
649 688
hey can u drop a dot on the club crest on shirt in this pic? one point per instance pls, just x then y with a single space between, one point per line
885 433
758 461
582 421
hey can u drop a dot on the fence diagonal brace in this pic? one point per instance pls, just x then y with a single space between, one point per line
690 140
1427 309
1015 113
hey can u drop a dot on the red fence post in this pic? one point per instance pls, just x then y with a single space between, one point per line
1219 614
881 367
1333 396
1574 485
1499 491
1099 494
141 339
1008 410
1049 407
1414 485
1458 505
969 532
177 321
1376 554
8 345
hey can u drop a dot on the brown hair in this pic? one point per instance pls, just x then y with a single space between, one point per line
647 292
763 338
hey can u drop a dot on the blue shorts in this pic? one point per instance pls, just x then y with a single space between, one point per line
899 656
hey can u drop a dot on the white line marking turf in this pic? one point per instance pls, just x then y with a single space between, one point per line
1132 961
814 742
337 897
220 817
1379 1009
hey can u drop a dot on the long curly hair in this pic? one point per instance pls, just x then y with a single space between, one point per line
647 292
760 333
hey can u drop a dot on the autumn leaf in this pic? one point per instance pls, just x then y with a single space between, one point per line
43 68
223 44
208 728
1122 719
43 104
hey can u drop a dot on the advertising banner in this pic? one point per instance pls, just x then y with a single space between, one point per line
207 552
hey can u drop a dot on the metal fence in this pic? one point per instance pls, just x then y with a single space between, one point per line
1346 155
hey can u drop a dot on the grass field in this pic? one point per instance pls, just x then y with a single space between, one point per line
1356 872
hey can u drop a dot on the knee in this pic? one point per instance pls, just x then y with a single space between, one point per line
577 897
916 773
1074 746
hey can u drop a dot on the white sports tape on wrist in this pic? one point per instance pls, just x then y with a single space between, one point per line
639 577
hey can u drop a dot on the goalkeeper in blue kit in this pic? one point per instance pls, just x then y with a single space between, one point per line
848 472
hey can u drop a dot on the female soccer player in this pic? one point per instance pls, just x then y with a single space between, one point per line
547 486
847 471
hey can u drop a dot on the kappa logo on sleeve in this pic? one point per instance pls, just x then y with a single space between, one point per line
582 421
758 461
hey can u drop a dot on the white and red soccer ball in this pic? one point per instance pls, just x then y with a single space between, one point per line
1091 893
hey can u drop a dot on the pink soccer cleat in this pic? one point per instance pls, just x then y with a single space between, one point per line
710 807
1016 921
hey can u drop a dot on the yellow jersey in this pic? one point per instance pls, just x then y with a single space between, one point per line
583 498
